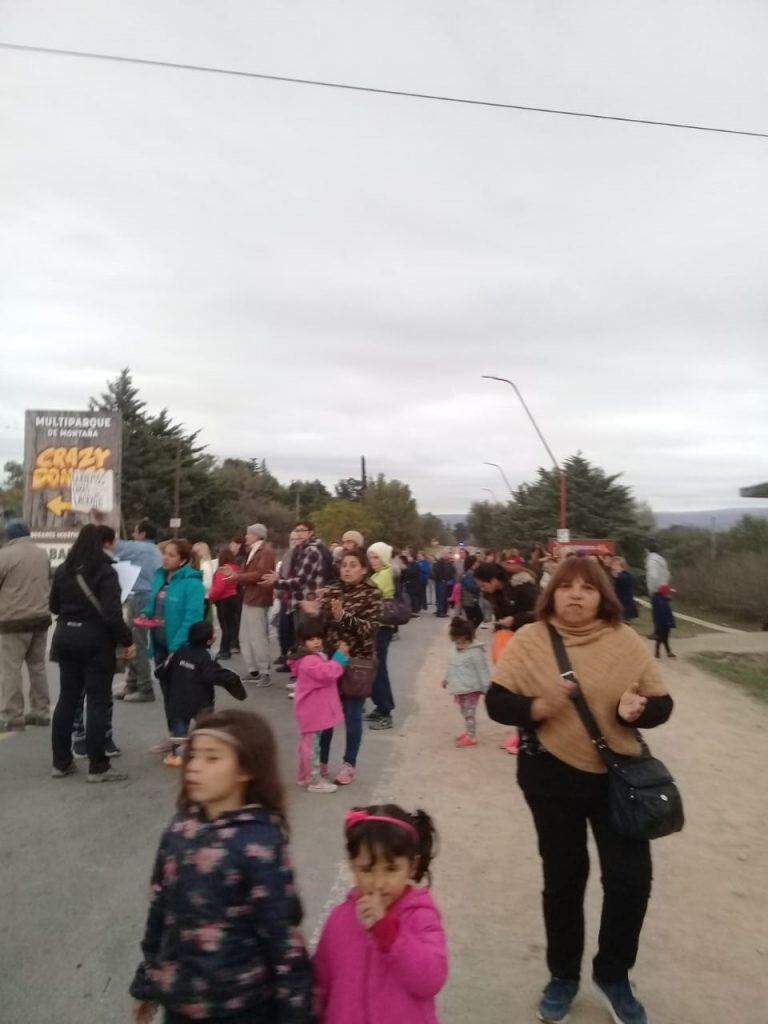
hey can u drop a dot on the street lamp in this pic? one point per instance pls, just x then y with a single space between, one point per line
503 475
559 469
492 494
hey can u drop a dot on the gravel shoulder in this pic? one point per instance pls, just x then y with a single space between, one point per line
704 951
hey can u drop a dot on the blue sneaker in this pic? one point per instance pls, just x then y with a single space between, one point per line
620 1001
556 999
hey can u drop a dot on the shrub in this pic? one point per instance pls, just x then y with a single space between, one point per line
736 585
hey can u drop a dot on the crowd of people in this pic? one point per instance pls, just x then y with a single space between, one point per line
223 885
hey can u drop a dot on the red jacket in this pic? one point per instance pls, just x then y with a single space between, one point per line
223 585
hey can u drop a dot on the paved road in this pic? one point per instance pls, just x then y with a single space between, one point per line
75 859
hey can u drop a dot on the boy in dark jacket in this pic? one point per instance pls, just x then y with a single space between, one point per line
663 618
187 680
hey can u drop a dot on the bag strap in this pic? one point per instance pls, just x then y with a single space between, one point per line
586 716
89 594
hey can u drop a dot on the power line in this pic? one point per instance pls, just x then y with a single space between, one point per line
376 91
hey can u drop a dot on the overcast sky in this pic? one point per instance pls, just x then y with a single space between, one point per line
308 275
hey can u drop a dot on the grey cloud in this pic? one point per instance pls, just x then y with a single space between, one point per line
310 276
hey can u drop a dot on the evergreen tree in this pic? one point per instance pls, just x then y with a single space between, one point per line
154 449
598 506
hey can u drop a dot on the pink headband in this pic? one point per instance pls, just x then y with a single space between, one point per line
358 817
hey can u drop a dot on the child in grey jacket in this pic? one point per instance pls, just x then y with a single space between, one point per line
467 678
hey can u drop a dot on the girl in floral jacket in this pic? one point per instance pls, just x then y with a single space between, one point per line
222 941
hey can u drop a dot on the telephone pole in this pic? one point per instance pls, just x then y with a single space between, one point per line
177 491
363 475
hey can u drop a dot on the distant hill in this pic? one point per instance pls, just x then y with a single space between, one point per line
451 519
724 518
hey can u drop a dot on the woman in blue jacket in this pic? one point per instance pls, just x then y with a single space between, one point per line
177 600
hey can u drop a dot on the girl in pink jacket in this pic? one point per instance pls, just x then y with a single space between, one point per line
317 701
382 956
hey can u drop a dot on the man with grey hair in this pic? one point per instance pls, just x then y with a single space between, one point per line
257 601
25 585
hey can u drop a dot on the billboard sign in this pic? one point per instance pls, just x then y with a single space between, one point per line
72 475
582 547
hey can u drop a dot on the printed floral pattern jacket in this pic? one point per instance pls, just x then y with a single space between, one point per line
223 936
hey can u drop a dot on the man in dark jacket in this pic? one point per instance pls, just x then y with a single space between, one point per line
444 575
25 581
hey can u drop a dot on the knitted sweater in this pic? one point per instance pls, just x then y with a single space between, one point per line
607 660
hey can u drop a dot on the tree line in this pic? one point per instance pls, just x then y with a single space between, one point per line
219 497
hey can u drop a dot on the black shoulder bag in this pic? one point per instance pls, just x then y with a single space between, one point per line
645 802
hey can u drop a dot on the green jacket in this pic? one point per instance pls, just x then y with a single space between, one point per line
184 603
384 579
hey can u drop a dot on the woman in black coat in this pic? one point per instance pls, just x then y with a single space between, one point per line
86 597
624 585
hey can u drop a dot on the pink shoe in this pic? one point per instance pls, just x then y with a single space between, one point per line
511 744
346 775
163 747
466 741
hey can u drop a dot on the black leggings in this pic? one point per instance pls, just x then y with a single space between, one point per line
561 825
89 673
662 639
228 610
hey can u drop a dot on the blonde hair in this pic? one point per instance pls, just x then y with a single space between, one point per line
202 551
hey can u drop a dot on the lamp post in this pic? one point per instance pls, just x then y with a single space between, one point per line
503 475
559 469
492 494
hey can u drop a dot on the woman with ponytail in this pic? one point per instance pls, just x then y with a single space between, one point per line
383 952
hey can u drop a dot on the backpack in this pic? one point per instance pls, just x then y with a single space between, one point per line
329 567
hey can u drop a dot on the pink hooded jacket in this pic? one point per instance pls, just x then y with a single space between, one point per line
317 700
392 973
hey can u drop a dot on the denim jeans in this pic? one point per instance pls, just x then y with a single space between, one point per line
353 722
442 593
382 688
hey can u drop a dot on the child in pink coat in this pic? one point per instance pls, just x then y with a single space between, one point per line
382 956
317 702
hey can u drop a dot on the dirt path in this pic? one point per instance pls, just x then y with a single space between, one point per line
704 951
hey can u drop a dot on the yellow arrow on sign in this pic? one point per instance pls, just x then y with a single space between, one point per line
58 506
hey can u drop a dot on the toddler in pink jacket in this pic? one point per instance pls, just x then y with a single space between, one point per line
317 702
382 956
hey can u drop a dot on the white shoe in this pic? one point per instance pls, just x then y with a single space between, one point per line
321 786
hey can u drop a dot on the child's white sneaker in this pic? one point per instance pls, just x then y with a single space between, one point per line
321 786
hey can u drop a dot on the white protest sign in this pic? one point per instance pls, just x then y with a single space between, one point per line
127 573
92 489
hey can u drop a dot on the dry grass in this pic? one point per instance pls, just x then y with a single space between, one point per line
735 585
749 671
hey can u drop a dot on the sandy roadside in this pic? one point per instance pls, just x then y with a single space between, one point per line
704 951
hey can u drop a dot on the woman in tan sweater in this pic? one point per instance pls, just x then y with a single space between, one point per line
564 781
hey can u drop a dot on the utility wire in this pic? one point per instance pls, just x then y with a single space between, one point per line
371 89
